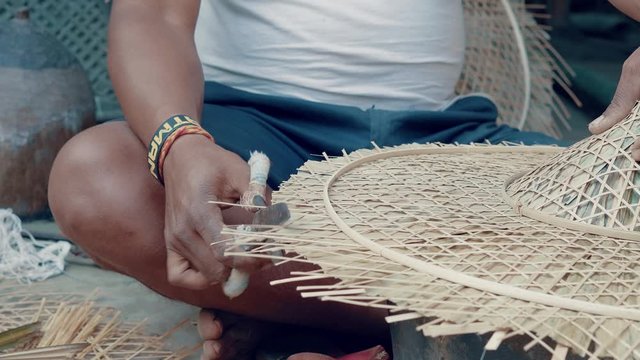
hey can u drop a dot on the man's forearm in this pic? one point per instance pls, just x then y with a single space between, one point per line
629 7
153 63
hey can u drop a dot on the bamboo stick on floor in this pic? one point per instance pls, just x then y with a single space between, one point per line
75 326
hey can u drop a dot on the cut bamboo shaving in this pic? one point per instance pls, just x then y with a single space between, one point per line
560 352
402 317
495 340
14 336
230 204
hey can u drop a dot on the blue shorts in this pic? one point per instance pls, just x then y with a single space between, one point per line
290 130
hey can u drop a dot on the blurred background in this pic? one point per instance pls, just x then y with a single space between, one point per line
591 35
595 39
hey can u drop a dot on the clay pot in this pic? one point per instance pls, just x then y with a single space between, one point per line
45 99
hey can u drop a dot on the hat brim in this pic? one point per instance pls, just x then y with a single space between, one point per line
428 227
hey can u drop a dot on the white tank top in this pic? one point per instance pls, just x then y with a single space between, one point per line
388 54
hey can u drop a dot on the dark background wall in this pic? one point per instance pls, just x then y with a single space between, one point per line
595 39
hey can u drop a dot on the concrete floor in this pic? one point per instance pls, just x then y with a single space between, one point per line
136 302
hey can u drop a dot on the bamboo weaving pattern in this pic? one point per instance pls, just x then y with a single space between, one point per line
510 58
435 229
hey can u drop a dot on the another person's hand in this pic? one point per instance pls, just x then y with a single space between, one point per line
195 172
629 7
627 93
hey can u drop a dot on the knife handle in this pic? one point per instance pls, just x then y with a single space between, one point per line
259 165
236 284
238 280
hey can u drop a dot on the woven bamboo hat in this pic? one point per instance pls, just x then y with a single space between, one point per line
594 186
514 240
510 58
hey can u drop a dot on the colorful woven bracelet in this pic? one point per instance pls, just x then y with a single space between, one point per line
185 130
159 138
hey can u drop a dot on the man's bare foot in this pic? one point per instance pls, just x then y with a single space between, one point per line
310 356
229 337
210 330
375 353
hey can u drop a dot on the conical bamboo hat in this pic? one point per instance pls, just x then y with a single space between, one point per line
592 186
514 240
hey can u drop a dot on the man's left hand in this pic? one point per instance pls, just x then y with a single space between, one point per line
627 93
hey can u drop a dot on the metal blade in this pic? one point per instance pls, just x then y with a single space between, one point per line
276 214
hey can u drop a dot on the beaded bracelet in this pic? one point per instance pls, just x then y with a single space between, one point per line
165 136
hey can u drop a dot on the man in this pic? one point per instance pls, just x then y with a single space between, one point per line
290 78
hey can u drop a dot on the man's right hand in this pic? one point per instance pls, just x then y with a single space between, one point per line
156 73
195 172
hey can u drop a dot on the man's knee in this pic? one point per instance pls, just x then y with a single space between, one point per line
78 182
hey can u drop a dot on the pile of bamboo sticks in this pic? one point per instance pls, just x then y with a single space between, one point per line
57 326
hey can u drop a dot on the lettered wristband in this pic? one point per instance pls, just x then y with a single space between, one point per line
185 130
160 137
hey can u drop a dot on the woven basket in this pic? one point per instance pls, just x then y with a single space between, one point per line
591 187
509 57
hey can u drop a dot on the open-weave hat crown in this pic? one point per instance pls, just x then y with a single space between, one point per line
592 186
516 240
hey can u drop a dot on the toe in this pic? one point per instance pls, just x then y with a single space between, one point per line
210 350
209 327
310 356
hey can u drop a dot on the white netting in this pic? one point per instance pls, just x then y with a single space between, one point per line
24 258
